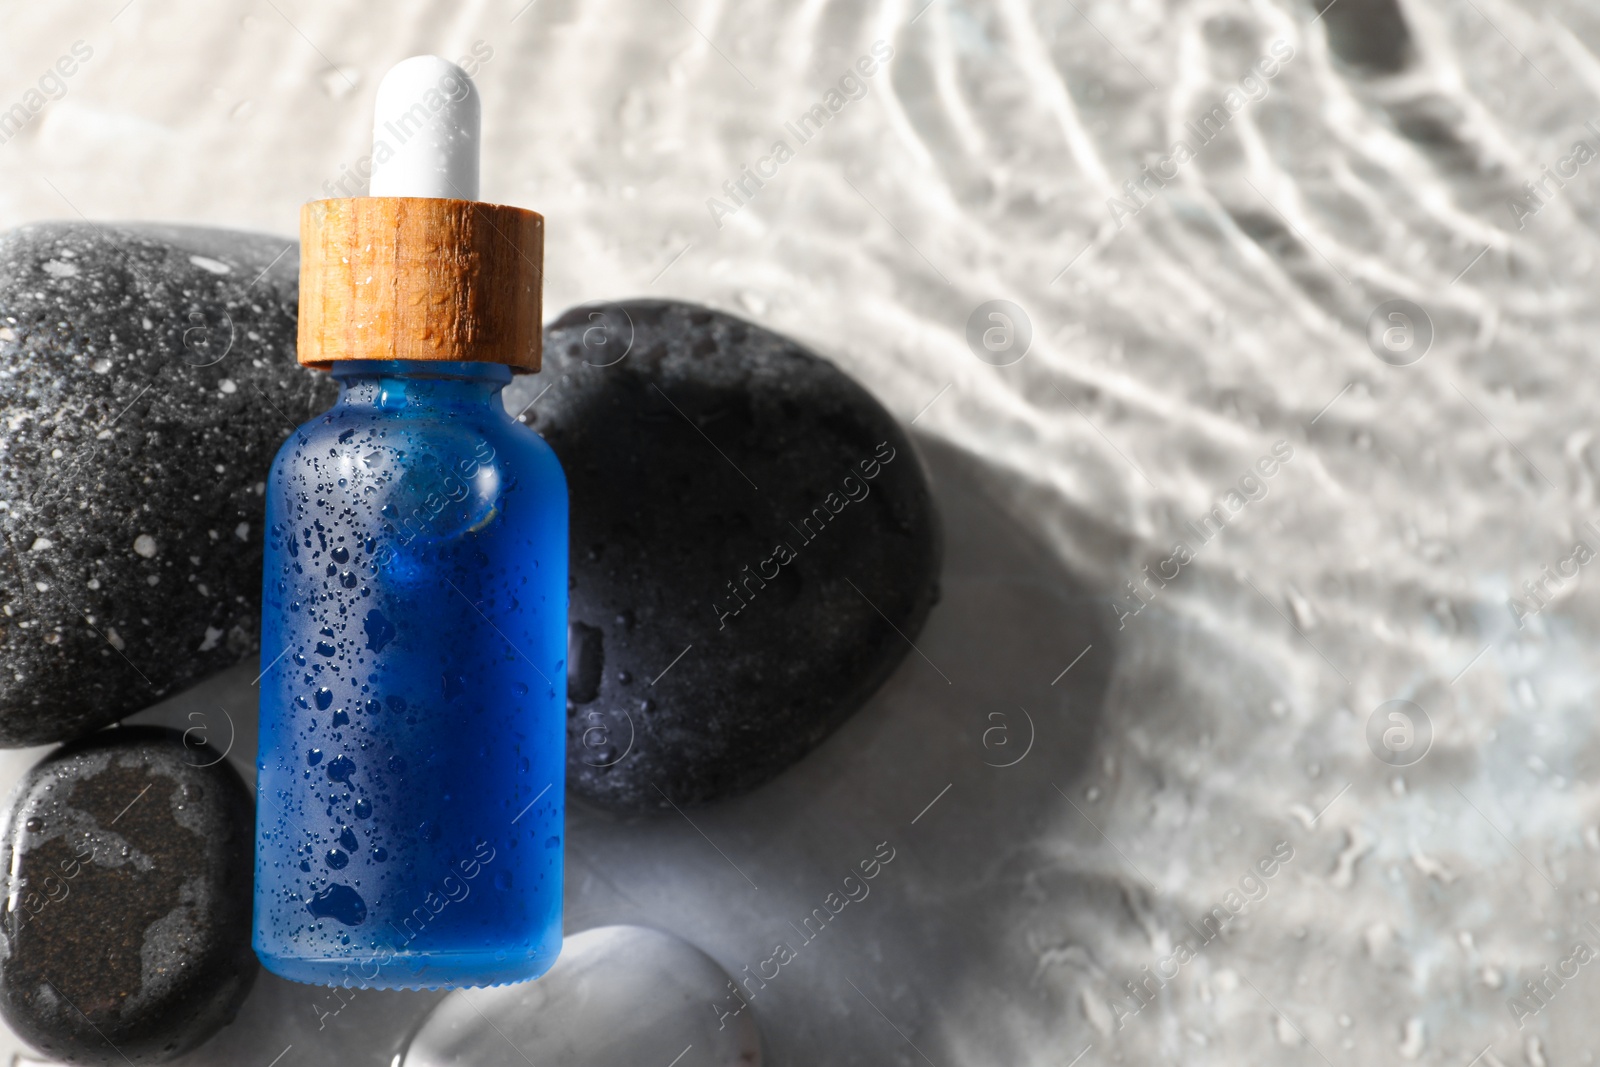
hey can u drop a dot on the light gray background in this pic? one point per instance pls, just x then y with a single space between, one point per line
1172 347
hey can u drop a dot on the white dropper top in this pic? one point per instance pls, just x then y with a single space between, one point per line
425 131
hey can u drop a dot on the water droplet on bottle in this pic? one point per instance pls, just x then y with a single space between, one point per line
337 859
363 808
324 698
314 757
340 555
502 879
340 768
522 764
339 902
379 854
325 648
552 842
341 717
348 840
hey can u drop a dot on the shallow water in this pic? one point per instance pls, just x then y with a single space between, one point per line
1176 339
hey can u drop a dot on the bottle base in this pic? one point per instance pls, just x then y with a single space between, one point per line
414 970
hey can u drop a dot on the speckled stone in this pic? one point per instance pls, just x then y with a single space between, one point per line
126 936
753 546
147 377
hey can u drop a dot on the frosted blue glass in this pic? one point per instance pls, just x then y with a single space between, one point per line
413 641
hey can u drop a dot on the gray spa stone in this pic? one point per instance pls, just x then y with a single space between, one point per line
127 859
619 996
147 378
754 546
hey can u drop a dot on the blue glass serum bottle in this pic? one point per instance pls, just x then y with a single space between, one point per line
410 773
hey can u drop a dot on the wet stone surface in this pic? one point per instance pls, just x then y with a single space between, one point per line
147 378
753 547
126 934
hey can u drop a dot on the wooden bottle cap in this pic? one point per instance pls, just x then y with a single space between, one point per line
398 277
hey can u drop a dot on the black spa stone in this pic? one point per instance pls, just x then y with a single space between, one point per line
127 871
147 378
753 545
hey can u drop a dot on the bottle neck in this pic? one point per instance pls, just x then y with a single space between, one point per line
417 386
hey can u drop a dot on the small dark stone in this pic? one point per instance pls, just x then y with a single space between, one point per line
753 544
128 856
147 378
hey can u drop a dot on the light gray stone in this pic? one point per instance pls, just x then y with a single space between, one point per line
619 996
